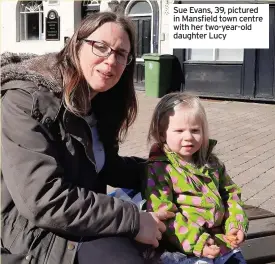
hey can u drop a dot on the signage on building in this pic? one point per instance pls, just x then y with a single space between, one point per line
52 26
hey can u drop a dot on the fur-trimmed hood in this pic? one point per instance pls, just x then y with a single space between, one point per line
39 69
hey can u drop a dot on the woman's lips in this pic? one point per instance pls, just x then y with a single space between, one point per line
105 75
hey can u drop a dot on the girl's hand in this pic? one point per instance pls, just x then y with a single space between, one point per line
210 250
234 237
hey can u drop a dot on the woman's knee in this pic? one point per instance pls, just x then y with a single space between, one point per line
116 250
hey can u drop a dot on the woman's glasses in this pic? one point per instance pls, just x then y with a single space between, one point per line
103 50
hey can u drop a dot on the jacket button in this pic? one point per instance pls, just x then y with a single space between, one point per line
48 120
71 246
36 114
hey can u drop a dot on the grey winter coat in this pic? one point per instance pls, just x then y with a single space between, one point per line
52 196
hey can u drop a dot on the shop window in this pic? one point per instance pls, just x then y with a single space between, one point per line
92 3
90 7
218 55
140 7
31 21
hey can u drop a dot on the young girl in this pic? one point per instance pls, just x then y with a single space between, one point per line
185 177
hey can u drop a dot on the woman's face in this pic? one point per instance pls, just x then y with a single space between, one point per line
102 73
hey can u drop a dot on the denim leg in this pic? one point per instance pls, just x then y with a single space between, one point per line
179 258
173 258
237 258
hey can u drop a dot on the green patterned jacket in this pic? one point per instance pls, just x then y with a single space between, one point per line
207 203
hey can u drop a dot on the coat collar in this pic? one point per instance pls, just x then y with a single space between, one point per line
42 70
159 154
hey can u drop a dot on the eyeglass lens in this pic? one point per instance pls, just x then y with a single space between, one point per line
103 50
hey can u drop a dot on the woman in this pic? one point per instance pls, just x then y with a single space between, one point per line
63 116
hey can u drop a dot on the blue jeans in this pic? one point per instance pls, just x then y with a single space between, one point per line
179 258
237 258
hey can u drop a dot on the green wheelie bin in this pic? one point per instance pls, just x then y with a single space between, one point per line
158 74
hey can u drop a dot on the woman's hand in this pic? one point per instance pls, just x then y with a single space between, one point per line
210 250
234 237
152 227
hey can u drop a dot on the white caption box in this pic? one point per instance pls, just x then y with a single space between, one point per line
234 26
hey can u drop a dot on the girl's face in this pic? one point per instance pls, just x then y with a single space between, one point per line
102 73
184 133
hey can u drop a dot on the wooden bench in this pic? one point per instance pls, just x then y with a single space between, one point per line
259 247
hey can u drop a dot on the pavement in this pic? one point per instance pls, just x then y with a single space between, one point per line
246 143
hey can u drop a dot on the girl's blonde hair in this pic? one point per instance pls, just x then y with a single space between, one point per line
166 107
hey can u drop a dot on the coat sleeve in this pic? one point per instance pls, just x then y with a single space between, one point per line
185 230
36 183
231 196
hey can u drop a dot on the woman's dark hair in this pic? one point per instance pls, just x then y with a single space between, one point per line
115 109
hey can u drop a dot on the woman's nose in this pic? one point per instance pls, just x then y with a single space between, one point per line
111 60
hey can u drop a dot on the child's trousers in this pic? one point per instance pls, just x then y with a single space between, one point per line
234 257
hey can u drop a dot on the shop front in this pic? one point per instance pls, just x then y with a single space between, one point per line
230 73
